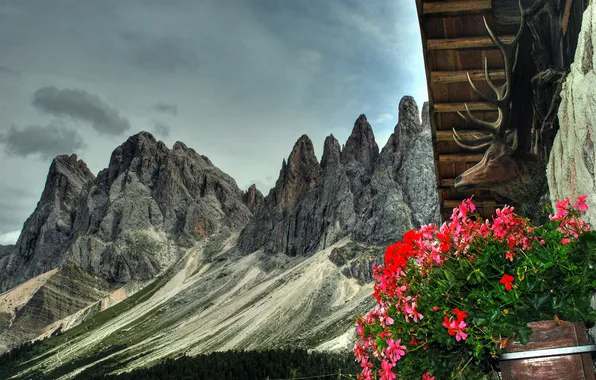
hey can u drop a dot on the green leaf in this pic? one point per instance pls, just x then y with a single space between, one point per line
557 303
537 301
449 275
522 334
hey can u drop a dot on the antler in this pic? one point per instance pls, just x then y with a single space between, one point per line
502 94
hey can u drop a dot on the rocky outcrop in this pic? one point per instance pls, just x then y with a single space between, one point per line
571 167
47 233
270 225
417 173
253 198
122 224
356 260
373 197
62 293
149 197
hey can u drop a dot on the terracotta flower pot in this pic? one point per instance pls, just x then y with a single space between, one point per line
555 351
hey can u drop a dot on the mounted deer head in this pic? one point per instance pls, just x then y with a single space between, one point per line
502 164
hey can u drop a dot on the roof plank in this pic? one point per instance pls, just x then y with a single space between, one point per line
460 157
472 106
453 203
464 43
467 134
445 77
456 6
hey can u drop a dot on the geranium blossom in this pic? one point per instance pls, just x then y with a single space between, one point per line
507 280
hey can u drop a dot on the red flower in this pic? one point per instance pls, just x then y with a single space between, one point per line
506 280
459 314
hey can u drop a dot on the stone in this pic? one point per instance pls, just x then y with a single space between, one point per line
571 169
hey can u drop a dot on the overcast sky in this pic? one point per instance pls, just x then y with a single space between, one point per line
237 80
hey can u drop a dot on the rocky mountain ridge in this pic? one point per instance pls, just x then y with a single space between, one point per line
157 214
116 224
374 196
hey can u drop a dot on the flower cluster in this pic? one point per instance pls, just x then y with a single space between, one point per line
449 296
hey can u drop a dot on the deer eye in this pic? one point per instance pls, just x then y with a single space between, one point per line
491 156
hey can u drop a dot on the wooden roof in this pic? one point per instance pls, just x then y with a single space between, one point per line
455 41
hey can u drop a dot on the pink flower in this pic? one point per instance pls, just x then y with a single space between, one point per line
387 370
565 241
509 255
395 350
411 311
426 376
581 204
562 204
455 327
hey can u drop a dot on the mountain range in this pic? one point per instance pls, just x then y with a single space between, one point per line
162 254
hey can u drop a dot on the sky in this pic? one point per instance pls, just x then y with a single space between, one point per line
237 80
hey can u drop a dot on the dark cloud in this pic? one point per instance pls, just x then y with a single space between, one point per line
8 71
165 53
81 105
48 141
161 128
172 109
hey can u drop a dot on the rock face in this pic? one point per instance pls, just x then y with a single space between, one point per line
47 232
373 197
253 198
62 293
571 167
356 260
120 224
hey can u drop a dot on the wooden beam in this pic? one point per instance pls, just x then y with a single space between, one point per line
473 106
460 157
456 6
464 133
464 43
453 203
444 77
566 14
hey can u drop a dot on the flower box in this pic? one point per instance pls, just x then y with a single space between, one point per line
549 335
455 301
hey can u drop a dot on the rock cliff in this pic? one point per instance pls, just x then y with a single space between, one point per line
571 168
47 233
253 198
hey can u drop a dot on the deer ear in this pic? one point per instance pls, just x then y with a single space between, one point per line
511 138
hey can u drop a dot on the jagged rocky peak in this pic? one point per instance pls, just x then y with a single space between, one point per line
297 176
65 174
408 123
46 233
253 198
405 132
331 152
361 145
136 154
425 116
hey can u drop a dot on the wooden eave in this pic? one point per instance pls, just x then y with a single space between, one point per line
455 42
